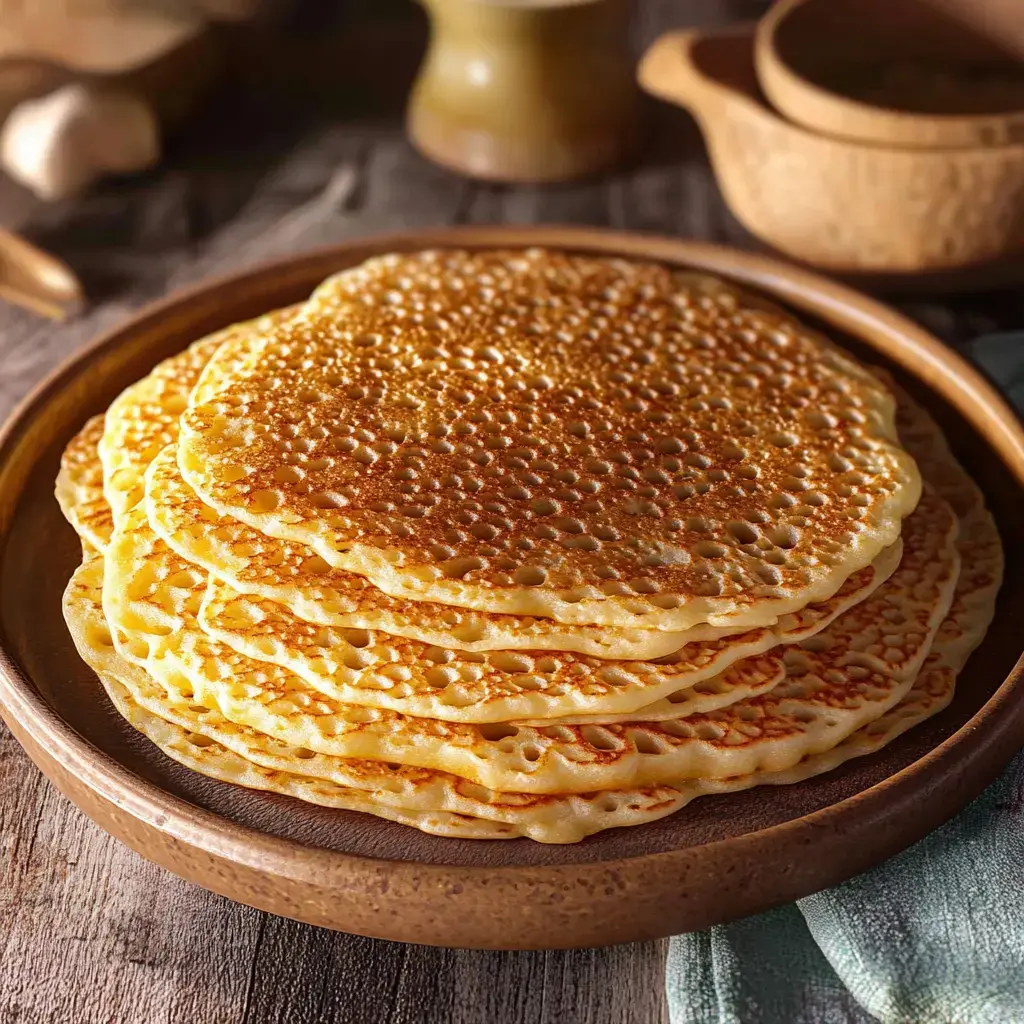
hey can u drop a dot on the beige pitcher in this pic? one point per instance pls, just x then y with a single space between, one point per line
526 90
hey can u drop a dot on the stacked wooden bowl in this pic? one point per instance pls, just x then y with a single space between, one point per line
868 137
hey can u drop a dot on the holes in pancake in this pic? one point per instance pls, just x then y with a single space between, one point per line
288 474
100 636
644 742
708 731
545 507
356 660
266 500
361 716
742 532
615 676
710 549
643 586
186 579
510 661
327 499
530 682
440 676
677 728
531 752
358 638
784 536
818 420
598 738
454 697
313 566
494 732
460 568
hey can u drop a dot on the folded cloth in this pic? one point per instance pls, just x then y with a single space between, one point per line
933 936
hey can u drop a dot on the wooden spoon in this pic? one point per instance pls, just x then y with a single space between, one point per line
36 280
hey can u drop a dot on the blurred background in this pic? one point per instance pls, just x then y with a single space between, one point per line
146 144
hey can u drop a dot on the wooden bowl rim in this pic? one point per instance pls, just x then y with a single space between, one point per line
762 108
982 744
818 109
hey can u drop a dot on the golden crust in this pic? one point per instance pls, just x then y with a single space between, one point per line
79 487
851 672
204 740
144 417
587 439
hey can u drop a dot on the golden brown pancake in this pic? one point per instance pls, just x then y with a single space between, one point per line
580 438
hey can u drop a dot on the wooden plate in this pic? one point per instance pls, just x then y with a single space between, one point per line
719 858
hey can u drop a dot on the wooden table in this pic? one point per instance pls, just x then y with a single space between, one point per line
89 932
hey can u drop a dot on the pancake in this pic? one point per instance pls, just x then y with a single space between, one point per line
558 818
144 417
202 739
497 686
255 760
237 350
851 672
294 576
79 487
589 440
153 590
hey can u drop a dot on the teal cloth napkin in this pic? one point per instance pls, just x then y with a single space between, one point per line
932 936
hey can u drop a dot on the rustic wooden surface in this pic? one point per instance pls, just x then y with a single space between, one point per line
89 932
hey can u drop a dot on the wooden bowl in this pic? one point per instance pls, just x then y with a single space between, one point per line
170 61
846 206
717 859
804 48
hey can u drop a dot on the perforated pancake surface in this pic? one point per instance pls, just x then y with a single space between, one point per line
194 735
202 739
294 576
144 417
79 486
366 667
588 439
851 672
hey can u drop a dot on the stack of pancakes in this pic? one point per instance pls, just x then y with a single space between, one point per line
522 544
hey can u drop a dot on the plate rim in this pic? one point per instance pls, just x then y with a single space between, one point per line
980 747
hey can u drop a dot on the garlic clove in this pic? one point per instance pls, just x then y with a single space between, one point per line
61 143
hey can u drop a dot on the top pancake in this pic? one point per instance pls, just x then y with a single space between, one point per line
586 439
144 417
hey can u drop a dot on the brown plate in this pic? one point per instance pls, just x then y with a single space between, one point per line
717 859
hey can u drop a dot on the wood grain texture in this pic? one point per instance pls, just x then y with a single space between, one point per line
834 203
90 932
